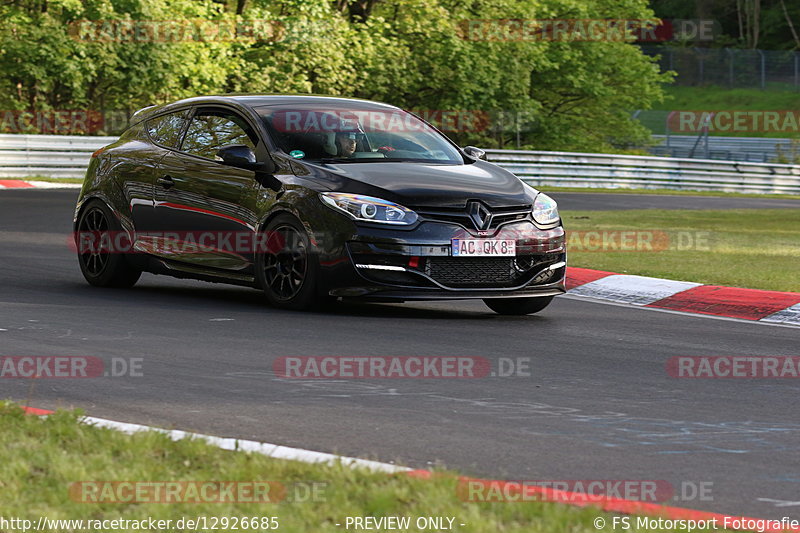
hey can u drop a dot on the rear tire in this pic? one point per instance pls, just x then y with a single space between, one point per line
288 269
518 306
101 265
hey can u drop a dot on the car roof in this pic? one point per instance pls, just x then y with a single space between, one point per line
259 100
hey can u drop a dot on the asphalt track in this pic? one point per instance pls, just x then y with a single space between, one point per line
598 403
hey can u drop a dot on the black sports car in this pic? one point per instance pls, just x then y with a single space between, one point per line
314 198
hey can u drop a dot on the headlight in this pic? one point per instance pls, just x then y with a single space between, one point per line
369 208
545 210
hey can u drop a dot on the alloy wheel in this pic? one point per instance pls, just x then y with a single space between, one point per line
285 262
94 250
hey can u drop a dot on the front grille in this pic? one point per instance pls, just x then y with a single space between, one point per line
458 215
477 272
472 271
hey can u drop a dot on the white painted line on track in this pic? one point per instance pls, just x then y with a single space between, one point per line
270 450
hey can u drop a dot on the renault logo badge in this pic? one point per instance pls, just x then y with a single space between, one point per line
479 214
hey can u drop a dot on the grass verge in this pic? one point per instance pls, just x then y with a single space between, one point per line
723 99
756 249
42 457
714 97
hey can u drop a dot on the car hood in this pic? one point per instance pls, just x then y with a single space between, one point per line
420 184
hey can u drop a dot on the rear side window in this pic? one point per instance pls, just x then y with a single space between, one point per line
210 130
166 129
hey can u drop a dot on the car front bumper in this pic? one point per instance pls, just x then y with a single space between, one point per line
395 264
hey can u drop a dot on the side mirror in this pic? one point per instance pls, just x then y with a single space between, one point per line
475 153
238 155
242 156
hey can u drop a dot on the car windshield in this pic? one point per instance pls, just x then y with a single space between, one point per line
352 134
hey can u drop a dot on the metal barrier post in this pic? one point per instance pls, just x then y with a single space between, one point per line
797 70
730 67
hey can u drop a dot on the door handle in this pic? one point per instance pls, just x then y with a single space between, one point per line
166 181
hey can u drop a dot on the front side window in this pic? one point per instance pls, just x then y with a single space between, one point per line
211 130
355 133
166 129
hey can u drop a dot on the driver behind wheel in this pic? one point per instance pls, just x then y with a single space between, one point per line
346 144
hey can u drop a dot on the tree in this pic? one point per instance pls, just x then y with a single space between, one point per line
416 54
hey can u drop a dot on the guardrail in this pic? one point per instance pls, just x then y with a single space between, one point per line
756 149
61 156
572 169
53 156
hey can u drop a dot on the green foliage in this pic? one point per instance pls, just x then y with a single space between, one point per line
411 53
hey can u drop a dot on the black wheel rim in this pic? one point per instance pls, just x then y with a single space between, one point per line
285 262
93 245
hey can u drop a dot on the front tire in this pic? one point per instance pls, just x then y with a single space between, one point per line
517 306
288 269
101 265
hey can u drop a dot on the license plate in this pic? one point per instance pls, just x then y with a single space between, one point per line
483 247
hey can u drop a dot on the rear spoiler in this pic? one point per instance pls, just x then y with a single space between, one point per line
140 115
